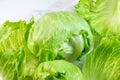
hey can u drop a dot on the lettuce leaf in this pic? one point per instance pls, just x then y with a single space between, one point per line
13 35
58 70
11 63
102 15
103 63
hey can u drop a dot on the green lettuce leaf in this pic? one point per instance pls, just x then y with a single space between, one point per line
58 70
11 64
13 35
60 33
104 61
84 8
102 15
29 66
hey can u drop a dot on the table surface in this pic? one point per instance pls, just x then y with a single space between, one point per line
14 10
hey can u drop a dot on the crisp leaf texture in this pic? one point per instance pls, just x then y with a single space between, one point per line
11 64
29 66
58 70
13 35
59 33
104 62
102 15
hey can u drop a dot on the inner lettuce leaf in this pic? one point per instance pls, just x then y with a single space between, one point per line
102 15
58 70
103 63
62 34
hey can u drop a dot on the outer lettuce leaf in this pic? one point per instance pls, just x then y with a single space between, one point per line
84 8
58 70
103 16
11 64
104 62
13 35
17 65
29 66
59 33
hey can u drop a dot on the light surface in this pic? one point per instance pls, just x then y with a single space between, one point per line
20 9
0 78
14 10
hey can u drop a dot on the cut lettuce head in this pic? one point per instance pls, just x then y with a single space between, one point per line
59 33
102 15
58 70
104 61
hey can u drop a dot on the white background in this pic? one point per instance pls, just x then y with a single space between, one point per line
14 10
